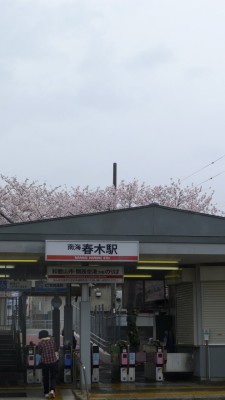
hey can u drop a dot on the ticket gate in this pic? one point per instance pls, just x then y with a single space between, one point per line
95 363
131 371
68 364
127 365
123 364
34 372
159 361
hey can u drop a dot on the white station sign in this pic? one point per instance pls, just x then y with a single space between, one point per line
18 285
101 251
85 274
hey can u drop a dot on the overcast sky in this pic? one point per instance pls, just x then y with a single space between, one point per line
86 83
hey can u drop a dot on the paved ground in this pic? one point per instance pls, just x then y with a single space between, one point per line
123 391
162 390
34 392
12 386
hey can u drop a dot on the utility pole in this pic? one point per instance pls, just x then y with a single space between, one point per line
113 285
115 175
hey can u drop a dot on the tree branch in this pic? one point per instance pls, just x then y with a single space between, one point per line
7 219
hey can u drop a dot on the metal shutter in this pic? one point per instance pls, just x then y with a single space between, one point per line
213 310
184 314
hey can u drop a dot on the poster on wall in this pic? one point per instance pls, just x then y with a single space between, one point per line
140 294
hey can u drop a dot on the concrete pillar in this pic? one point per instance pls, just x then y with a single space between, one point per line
56 326
198 308
85 336
2 311
68 318
22 317
68 324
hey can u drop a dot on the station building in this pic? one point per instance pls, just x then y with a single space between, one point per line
183 249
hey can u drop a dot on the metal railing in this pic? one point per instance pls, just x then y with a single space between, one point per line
105 345
41 323
76 362
6 328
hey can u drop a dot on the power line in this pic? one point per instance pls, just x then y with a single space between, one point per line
212 177
199 170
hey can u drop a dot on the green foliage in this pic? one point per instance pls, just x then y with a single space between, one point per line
133 334
121 344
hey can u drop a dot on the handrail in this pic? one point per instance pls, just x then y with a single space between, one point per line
104 344
76 357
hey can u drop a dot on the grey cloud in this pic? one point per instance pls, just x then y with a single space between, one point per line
197 72
101 95
151 58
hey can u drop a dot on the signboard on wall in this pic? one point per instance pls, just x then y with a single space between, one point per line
18 285
85 274
44 286
14 285
100 251
3 284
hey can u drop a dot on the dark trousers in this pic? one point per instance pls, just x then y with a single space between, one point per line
49 374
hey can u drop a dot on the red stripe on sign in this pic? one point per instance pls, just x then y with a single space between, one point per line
91 258
84 276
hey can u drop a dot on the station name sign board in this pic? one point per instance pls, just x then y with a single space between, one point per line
101 251
85 274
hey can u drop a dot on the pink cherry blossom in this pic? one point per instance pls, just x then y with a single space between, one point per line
27 201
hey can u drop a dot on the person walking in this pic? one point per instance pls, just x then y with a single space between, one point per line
49 363
73 338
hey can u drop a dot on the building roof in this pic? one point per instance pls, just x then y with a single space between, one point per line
162 232
147 221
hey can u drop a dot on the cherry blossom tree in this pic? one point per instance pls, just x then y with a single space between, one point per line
27 201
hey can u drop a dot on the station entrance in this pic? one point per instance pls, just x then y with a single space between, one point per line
183 251
114 335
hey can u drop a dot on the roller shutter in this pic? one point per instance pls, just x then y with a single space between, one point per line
213 310
184 314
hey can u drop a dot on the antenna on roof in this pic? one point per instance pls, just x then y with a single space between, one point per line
115 175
